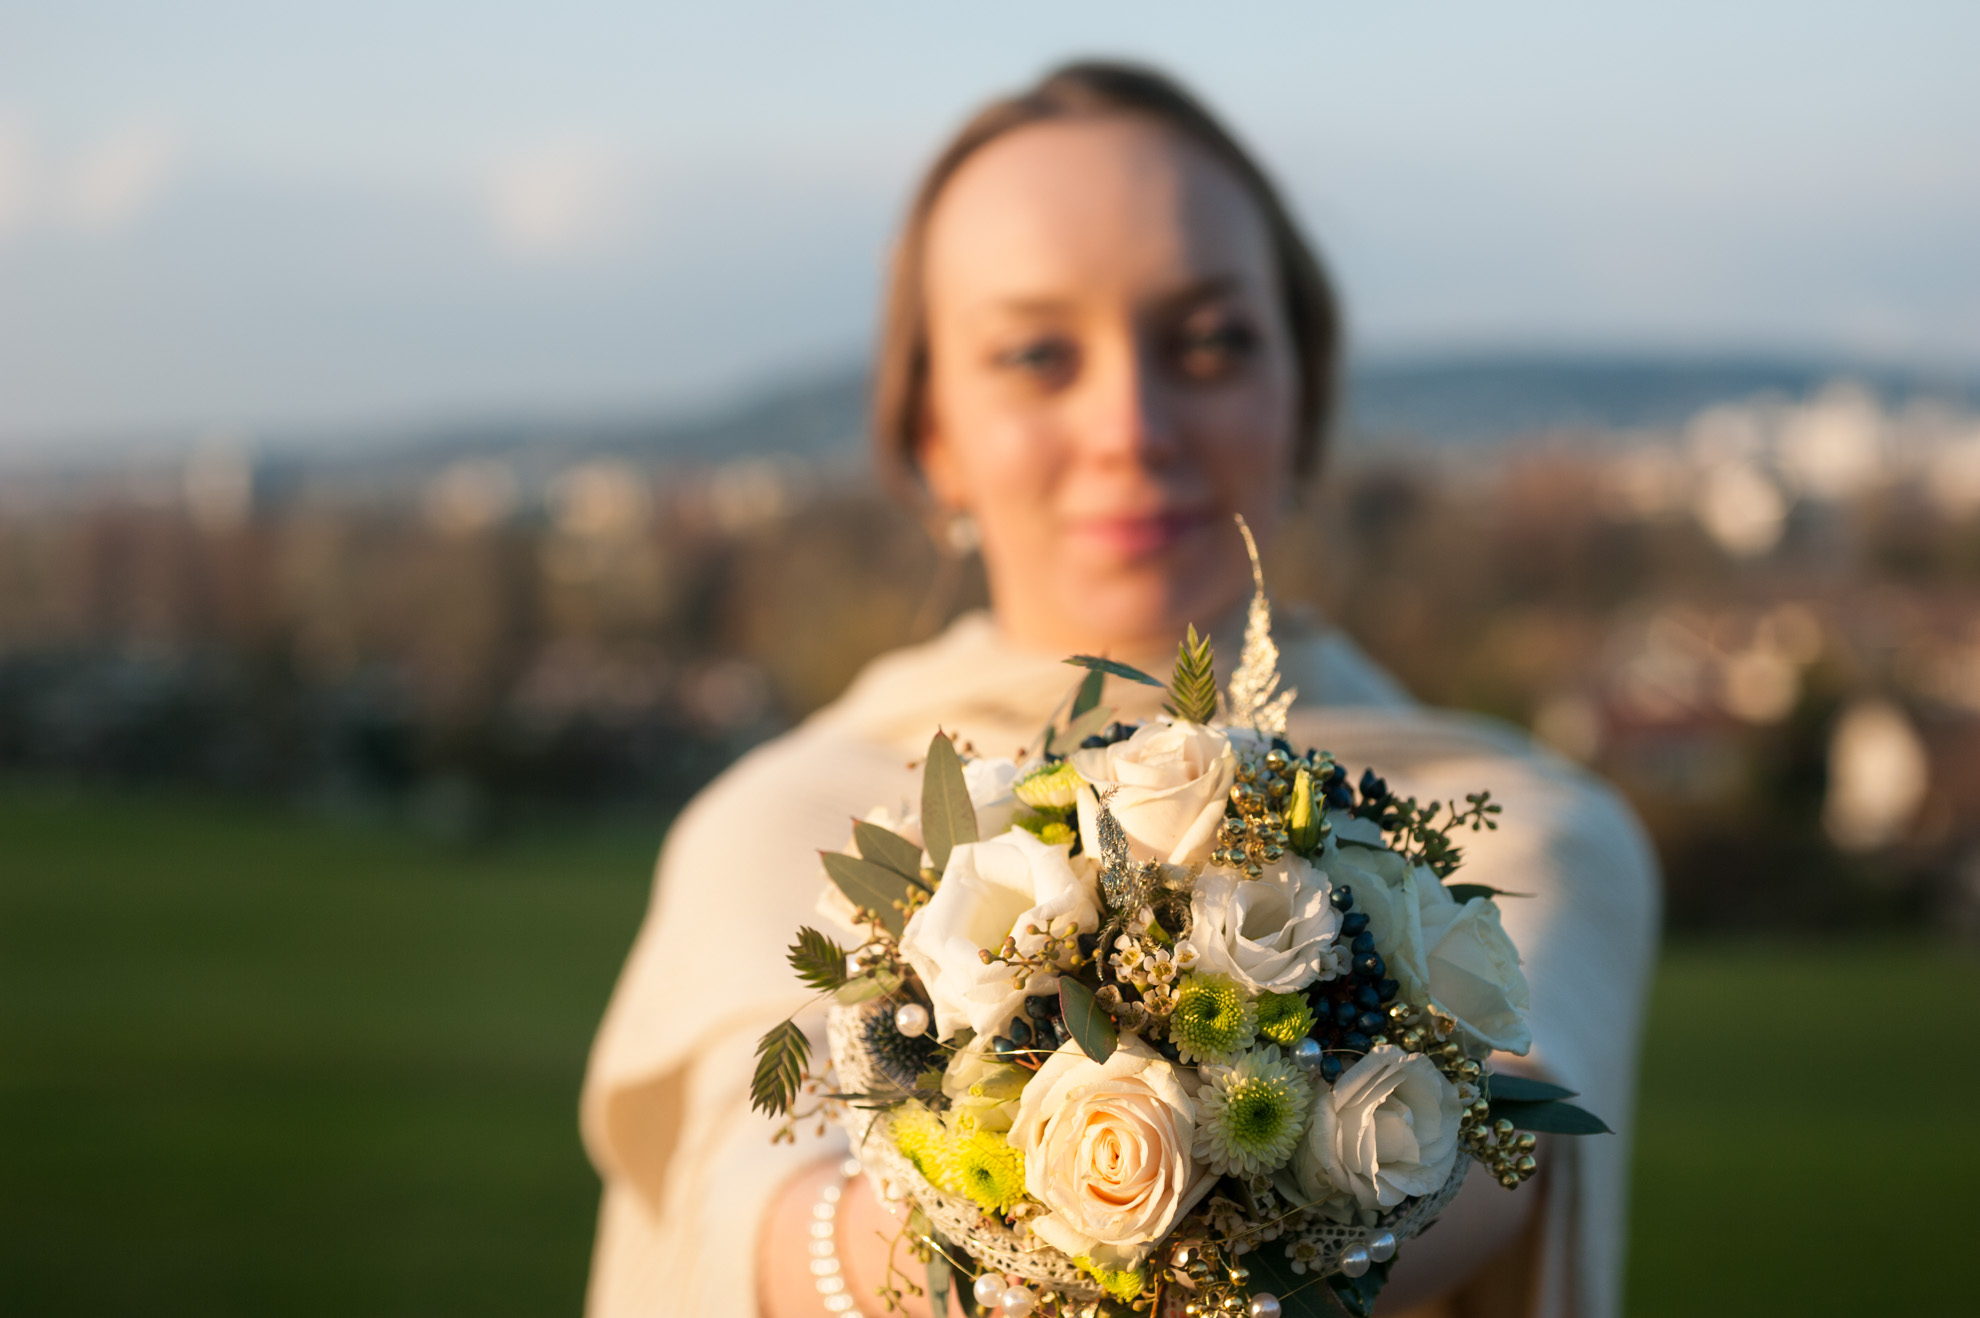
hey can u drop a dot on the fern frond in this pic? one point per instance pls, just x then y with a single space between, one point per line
1193 689
818 961
780 1060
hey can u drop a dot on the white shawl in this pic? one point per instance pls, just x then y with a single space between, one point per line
689 1169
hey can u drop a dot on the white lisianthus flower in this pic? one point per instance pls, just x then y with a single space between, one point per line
989 780
1107 1150
1171 781
1386 1130
1271 934
1453 955
989 891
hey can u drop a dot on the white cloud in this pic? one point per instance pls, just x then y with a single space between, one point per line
553 199
118 177
108 184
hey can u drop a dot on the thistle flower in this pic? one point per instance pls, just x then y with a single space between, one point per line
1284 1018
1249 1115
989 1171
923 1140
1050 787
1213 1020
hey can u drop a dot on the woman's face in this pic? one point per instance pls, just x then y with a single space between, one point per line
1111 377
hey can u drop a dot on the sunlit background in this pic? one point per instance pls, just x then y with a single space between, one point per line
430 449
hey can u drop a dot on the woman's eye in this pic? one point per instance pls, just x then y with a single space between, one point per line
1049 361
1215 350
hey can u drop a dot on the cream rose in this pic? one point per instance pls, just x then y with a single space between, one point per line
989 890
1388 1129
1454 955
1272 934
1171 782
1107 1151
989 781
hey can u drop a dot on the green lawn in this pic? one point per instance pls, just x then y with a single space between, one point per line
254 1063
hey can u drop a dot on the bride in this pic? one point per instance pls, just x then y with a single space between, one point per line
1104 337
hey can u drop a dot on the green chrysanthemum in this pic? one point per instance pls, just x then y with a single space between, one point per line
989 1171
924 1141
1249 1116
1052 832
1123 1285
1213 1021
1284 1018
1050 787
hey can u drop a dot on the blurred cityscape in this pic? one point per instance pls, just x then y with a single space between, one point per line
1749 595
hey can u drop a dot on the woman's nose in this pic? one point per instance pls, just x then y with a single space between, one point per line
1130 414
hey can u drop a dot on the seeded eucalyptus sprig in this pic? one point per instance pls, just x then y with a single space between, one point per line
1193 689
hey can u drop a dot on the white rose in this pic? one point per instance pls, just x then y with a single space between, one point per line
1455 956
1270 934
1172 781
989 782
1473 968
1107 1151
1388 1129
990 889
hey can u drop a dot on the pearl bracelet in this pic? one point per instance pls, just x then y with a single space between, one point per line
827 1273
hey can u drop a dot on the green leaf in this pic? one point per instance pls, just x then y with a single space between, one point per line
780 1060
1464 892
948 820
883 846
1357 1294
818 961
866 884
1083 727
1088 696
1193 690
939 1276
1108 666
1519 1089
1300 1295
1551 1117
1092 1028
867 987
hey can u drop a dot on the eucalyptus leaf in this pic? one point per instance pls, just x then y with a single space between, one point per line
866 884
883 846
948 820
1550 1117
1088 697
1300 1296
1108 666
1504 1086
1464 892
1092 1028
1083 727
1357 1294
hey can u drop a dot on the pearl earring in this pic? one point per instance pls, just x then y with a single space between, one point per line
961 535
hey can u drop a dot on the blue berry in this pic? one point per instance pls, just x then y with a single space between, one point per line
1355 1042
1368 998
1364 943
1344 1014
1368 1023
1352 925
1369 965
1004 1050
1020 1032
1389 988
1114 732
1342 898
1092 743
1042 1008
1330 1068
1372 788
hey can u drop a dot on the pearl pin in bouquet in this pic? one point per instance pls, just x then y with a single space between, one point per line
1202 1026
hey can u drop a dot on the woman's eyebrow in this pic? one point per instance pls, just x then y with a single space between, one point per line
1199 290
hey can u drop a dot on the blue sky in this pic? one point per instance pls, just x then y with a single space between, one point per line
283 216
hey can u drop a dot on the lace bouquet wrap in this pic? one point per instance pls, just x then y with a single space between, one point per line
1168 1018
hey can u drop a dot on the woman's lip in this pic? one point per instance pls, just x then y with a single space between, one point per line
1138 537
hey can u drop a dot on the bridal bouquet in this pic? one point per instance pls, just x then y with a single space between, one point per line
1168 1018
